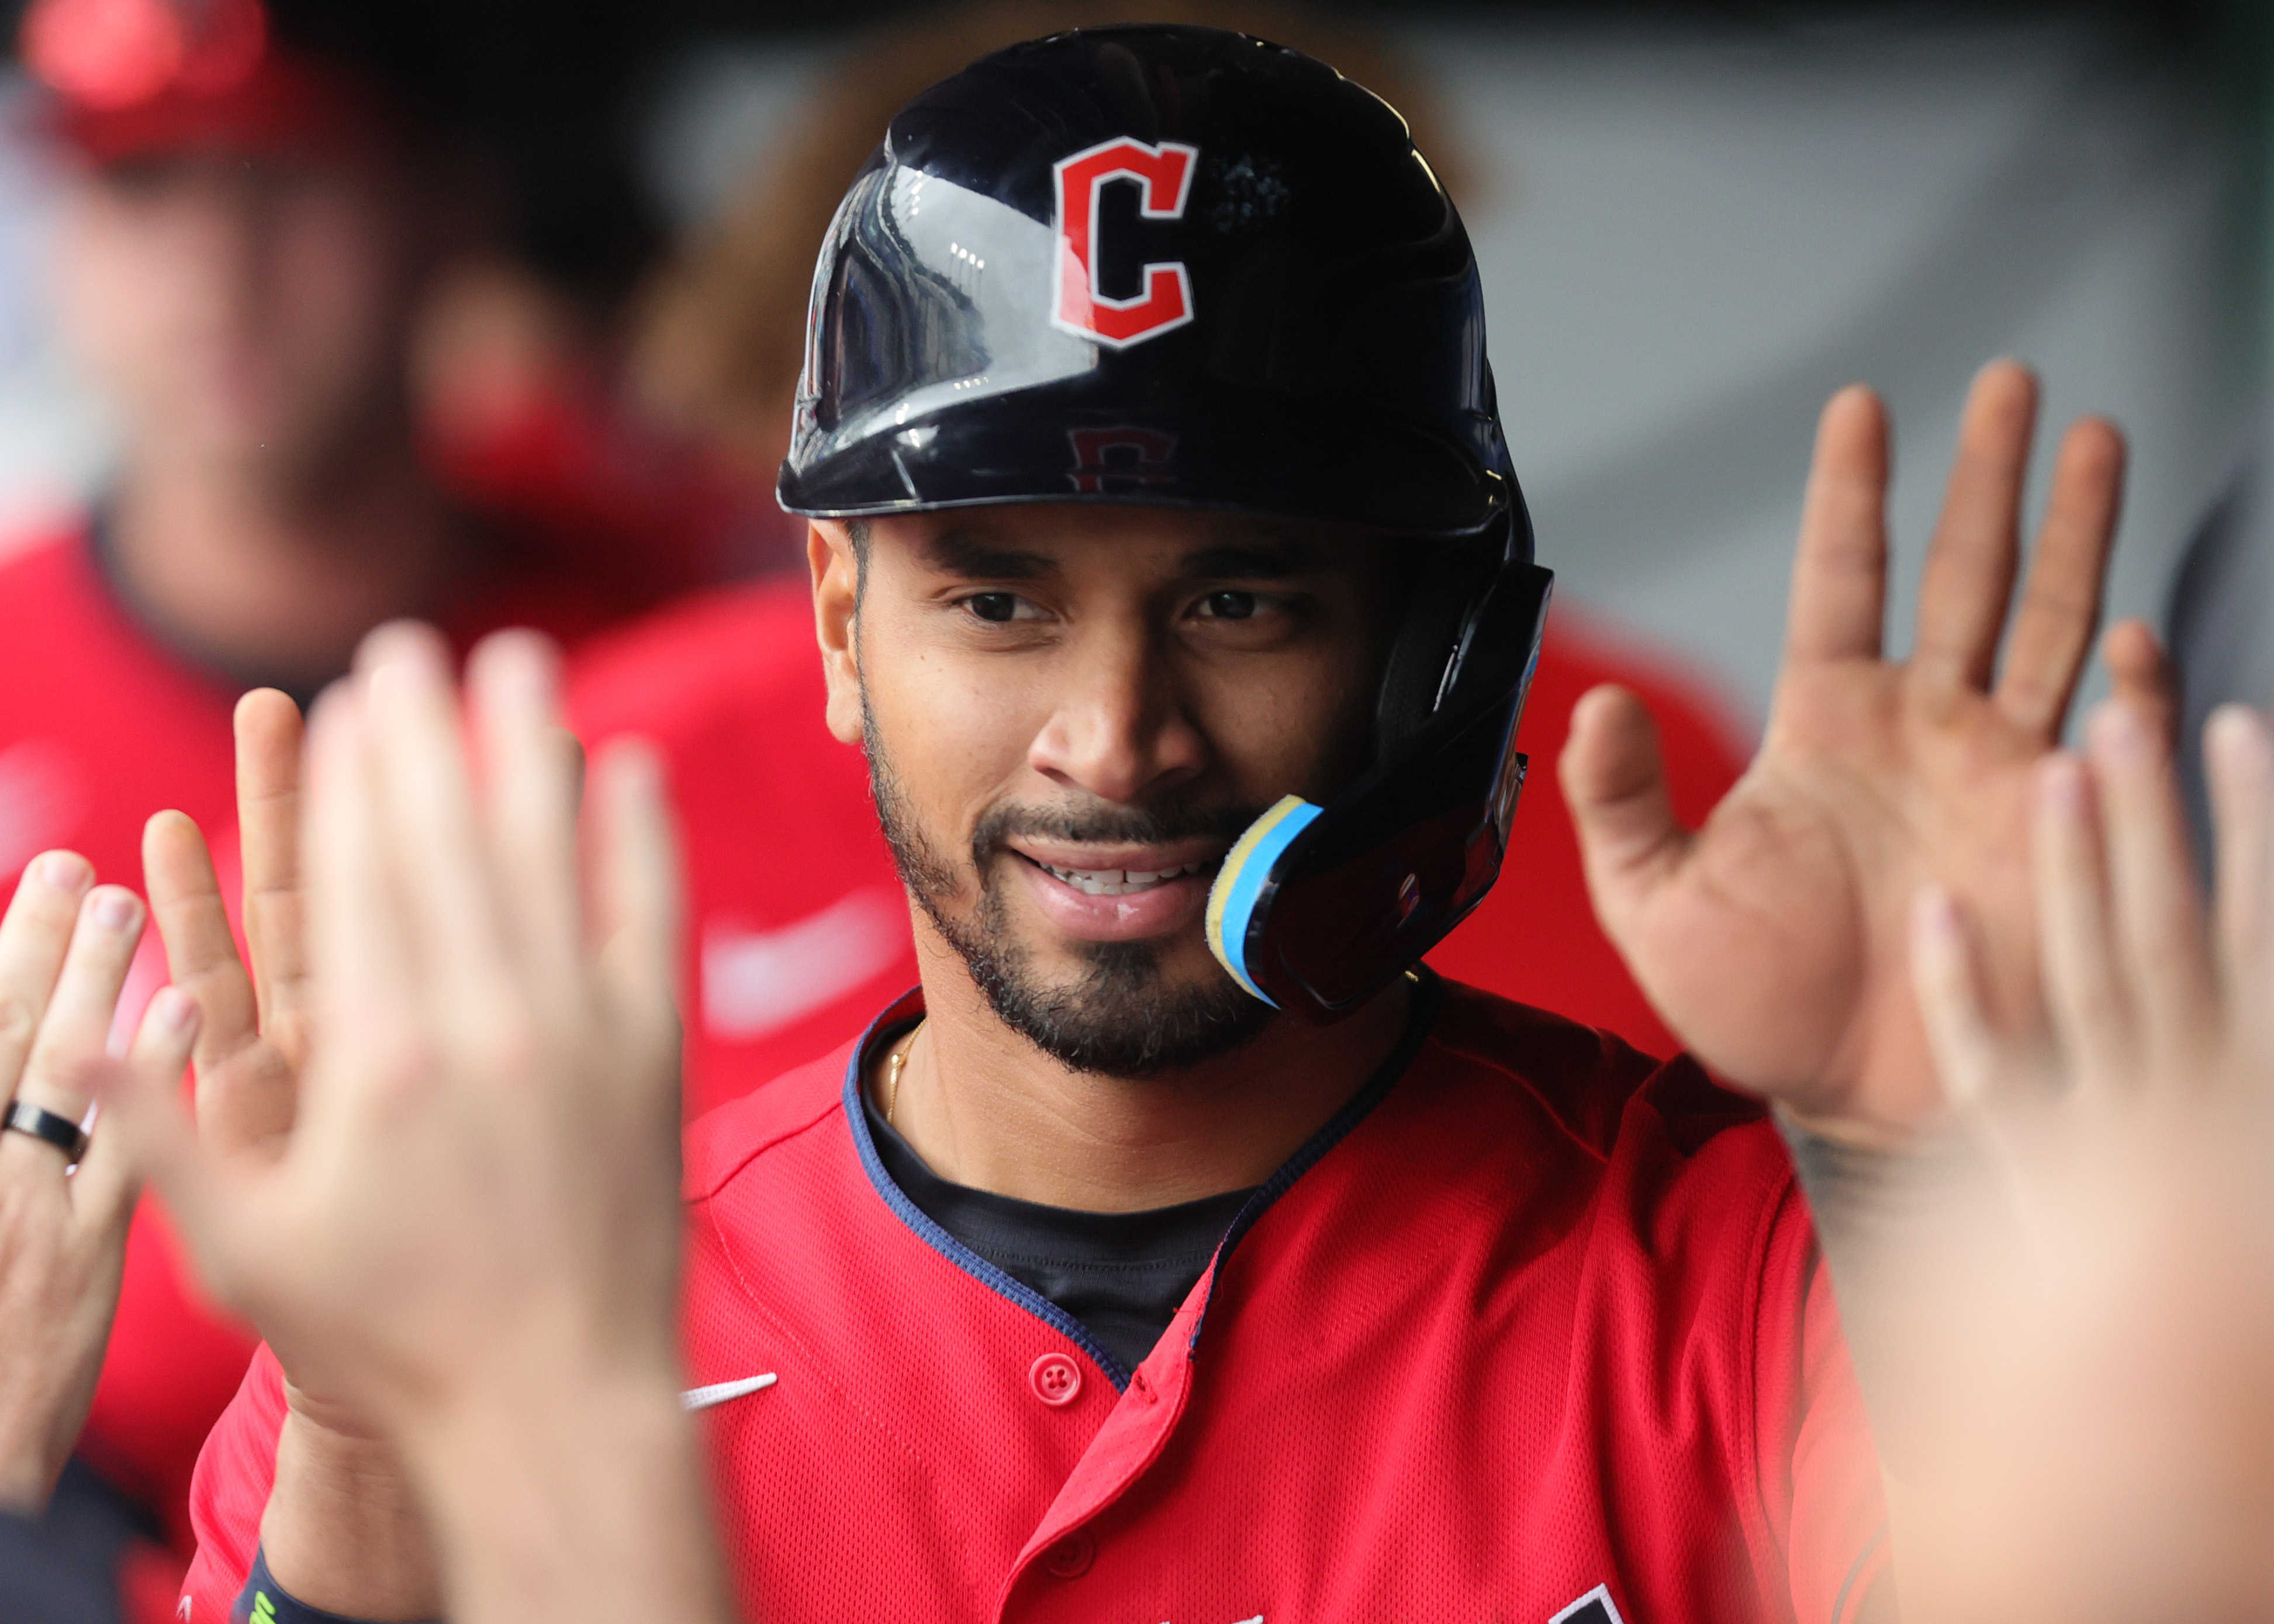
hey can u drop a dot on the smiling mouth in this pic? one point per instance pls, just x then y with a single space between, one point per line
1119 882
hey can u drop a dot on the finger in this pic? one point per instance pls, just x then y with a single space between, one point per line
1986 1080
102 1190
158 1145
2061 606
246 1094
356 933
2238 765
35 936
639 889
80 1011
428 825
1967 1056
2145 681
513 690
2085 987
1840 576
1969 580
2152 882
269 739
1630 842
200 951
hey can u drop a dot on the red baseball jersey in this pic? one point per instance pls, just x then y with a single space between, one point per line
1534 1325
800 928
101 726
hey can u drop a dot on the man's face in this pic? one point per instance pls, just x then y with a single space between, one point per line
244 313
1071 713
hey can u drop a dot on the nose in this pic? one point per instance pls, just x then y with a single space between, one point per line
1120 729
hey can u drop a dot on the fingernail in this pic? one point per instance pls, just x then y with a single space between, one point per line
65 870
174 1009
115 910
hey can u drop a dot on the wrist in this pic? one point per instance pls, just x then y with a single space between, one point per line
572 1493
344 1531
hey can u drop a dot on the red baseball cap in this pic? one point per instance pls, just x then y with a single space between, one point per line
137 77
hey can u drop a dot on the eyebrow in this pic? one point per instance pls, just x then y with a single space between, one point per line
959 552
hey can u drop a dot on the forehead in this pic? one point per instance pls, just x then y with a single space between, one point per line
1124 540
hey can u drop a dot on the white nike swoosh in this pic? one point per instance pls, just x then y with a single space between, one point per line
720 1392
755 982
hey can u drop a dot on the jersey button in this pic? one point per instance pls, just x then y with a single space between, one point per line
1070 1557
1055 1378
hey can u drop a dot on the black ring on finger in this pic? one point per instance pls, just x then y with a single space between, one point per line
65 1135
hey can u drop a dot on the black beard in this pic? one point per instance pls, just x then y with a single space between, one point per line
1120 1018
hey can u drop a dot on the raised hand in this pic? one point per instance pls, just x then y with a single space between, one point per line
65 944
470 1225
1773 941
2091 1343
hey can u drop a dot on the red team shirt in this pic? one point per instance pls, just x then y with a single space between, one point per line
1535 1326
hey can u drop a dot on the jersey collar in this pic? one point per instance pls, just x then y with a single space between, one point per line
906 1010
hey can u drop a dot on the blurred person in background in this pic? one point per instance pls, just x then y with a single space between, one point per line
261 202
791 958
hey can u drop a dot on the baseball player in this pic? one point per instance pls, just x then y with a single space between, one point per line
1180 1249
721 341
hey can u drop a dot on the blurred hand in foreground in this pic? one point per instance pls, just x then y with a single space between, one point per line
442 1176
1773 940
2095 1341
65 944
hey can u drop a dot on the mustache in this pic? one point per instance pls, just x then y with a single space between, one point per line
1103 824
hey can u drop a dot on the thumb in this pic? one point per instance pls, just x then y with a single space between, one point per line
1614 782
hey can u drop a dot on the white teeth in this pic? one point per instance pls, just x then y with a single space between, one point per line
1120 882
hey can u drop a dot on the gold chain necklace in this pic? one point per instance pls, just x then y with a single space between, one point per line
894 1064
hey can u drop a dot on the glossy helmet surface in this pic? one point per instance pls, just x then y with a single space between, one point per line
1179 266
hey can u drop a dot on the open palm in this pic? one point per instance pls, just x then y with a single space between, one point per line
1774 941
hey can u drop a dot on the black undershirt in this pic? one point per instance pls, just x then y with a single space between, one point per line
1123 1276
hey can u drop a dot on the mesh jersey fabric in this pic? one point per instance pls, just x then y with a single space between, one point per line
1541 1316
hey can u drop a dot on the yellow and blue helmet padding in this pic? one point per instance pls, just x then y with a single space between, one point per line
1240 884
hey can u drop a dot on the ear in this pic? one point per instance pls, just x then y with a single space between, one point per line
836 622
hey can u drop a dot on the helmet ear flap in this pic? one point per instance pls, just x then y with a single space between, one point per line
1428 636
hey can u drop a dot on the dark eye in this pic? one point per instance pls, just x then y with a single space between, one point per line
1230 606
993 605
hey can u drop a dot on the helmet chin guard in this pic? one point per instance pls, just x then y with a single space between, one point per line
1316 908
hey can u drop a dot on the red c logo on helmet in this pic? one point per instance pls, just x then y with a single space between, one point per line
1164 176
